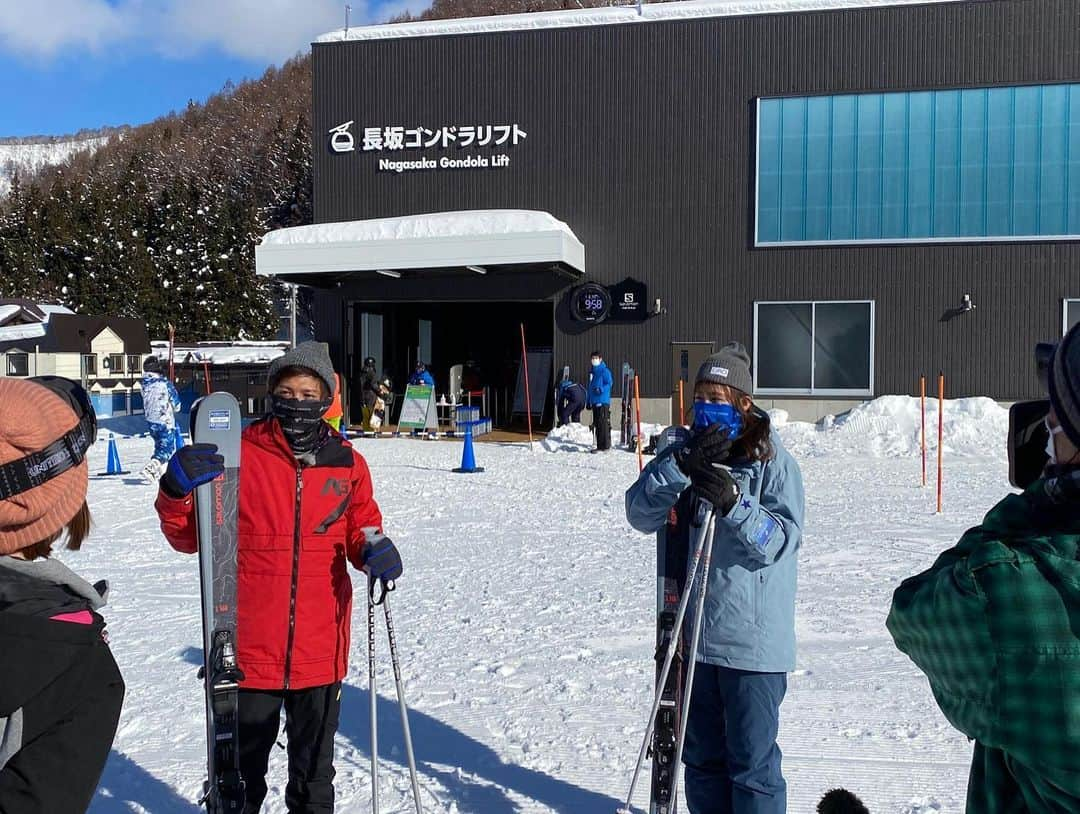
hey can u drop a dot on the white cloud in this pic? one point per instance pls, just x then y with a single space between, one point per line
261 30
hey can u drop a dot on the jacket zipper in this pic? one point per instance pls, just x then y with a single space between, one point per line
295 576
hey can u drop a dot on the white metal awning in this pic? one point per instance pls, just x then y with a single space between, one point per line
469 243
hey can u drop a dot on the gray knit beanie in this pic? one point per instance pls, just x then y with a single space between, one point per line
315 356
730 365
1063 384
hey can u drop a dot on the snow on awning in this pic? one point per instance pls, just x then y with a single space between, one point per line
607 15
469 242
221 353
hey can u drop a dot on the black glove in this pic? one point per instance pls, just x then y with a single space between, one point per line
717 487
382 560
704 450
702 460
191 466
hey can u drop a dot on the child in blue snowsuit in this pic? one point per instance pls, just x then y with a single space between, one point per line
160 404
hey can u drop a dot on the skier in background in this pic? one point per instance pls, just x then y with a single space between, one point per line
735 461
599 400
421 376
161 402
60 688
306 509
572 397
993 623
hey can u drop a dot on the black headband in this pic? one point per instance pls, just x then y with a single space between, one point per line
66 452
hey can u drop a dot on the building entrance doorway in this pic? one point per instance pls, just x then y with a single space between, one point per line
471 349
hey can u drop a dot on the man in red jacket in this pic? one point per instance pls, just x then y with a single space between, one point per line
305 507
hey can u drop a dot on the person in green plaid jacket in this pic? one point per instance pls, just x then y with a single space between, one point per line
995 625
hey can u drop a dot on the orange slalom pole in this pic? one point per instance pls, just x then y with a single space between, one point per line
206 372
682 413
940 434
637 408
922 432
525 367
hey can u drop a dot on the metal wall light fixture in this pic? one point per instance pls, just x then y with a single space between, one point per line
477 269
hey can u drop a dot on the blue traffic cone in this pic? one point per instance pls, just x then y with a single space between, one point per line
113 467
179 438
468 457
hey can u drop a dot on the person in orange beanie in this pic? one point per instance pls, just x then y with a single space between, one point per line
60 688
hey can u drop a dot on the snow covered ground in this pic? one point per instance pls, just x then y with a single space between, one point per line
525 624
28 157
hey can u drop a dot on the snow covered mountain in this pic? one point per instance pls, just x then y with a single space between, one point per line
27 156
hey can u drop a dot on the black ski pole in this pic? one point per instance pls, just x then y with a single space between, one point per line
373 699
401 695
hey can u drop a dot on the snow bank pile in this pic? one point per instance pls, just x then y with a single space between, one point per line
579 437
568 438
889 427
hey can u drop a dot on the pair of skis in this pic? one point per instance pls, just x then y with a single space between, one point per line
215 419
676 583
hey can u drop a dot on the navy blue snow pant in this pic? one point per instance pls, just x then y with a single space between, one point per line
732 760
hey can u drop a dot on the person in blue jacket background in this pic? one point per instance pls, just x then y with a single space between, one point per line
421 376
599 400
735 461
161 402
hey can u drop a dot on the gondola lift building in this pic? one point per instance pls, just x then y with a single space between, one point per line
861 191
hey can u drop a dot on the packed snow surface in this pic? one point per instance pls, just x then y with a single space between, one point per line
525 623
437 224
608 15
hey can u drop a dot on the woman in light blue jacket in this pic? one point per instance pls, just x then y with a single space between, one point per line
734 460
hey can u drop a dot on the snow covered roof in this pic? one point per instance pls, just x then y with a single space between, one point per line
609 15
478 238
33 330
222 353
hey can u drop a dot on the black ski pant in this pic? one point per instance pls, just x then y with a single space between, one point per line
67 732
602 425
311 720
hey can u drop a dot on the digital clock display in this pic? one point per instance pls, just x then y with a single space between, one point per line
591 303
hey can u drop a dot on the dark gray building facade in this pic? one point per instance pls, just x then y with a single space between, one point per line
860 195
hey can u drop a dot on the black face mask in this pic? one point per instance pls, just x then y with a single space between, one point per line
301 421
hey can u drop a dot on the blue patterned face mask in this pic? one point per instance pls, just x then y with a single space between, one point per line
707 413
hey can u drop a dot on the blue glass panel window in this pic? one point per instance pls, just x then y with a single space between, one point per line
980 163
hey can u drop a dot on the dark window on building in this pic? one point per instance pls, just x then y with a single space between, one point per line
1072 314
89 364
134 365
18 364
982 163
115 363
814 348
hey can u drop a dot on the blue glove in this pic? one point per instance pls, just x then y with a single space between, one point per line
382 560
191 466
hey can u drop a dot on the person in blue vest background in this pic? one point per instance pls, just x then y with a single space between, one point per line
421 376
571 402
599 400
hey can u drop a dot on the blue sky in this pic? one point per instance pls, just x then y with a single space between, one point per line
74 64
